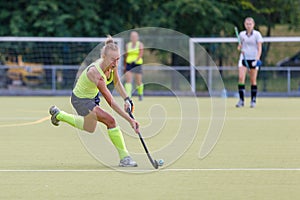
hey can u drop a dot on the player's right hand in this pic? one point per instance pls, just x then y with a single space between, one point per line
135 125
239 47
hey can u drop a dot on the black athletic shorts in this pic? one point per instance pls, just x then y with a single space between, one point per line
83 106
135 68
249 64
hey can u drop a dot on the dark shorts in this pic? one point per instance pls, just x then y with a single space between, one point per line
135 68
249 63
83 106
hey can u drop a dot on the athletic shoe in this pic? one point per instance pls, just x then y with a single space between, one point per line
240 104
54 111
252 104
127 162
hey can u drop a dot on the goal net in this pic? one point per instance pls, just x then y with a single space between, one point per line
44 62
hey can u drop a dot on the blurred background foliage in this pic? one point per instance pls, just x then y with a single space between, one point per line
195 18
86 18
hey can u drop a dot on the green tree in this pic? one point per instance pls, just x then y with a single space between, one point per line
84 18
99 17
191 17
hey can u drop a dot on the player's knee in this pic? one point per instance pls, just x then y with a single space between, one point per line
90 129
110 122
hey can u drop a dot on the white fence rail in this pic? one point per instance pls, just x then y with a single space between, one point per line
287 76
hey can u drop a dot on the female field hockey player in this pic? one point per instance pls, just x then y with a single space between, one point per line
92 81
251 48
134 60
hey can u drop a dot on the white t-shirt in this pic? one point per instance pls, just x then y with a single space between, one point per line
249 44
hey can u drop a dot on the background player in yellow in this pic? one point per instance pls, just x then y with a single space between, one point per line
134 61
85 100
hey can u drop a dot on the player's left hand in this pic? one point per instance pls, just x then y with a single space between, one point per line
128 105
257 63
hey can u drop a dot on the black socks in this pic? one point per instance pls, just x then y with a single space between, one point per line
241 91
253 93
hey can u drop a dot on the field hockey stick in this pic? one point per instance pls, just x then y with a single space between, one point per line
239 41
153 162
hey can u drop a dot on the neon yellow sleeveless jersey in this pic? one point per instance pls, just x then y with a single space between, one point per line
133 53
84 87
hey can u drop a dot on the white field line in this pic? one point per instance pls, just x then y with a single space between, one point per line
169 118
29 121
145 170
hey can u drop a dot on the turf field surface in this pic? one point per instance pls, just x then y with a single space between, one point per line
256 156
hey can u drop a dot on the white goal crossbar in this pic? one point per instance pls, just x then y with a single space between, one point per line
56 39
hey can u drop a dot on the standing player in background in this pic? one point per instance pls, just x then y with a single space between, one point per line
92 81
134 61
251 49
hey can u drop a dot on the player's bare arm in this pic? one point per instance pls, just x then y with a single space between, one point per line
118 85
141 52
113 104
93 74
259 48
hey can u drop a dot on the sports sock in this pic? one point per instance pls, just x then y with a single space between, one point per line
73 120
128 89
253 93
117 139
241 91
140 89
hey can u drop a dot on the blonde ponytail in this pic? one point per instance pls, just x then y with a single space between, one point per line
109 40
109 45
